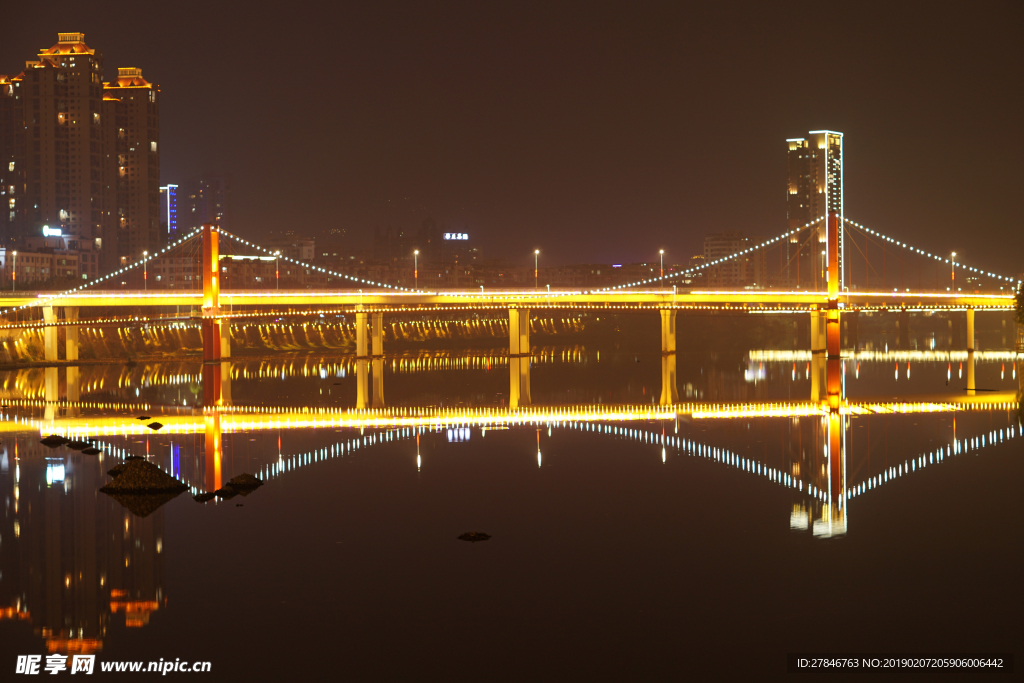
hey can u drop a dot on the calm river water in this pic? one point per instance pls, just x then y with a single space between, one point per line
624 543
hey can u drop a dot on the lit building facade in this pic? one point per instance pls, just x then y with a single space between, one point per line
169 213
814 190
79 154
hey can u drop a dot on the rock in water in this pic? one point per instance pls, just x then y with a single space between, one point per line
53 441
245 483
227 492
154 426
140 476
77 445
204 497
144 417
91 451
474 536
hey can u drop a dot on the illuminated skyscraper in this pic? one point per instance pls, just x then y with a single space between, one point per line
169 212
79 154
815 190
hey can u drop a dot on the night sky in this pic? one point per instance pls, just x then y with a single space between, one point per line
595 132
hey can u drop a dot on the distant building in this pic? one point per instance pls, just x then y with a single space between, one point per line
732 273
79 154
206 200
814 190
169 212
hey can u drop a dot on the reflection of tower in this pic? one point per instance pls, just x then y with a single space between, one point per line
821 460
71 558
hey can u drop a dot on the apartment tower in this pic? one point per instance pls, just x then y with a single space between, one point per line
815 189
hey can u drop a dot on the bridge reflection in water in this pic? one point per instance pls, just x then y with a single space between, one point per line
817 471
70 592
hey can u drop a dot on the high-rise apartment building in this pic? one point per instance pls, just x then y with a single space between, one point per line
134 142
207 200
815 190
79 154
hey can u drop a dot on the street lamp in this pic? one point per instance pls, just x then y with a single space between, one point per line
277 268
416 268
661 253
145 271
14 272
536 259
952 269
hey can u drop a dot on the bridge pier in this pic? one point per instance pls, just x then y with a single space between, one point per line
49 334
669 391
519 357
377 334
970 330
361 334
210 322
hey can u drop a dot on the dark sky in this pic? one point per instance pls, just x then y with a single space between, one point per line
595 132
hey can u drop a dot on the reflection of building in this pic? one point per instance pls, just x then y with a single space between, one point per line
70 558
814 190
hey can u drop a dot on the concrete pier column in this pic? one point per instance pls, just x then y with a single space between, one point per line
519 357
669 391
970 329
361 335
49 334
212 346
362 384
377 334
668 330
71 334
73 383
378 382
518 331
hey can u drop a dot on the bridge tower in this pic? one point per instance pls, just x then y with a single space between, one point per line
210 321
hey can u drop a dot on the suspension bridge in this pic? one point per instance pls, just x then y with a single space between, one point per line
835 293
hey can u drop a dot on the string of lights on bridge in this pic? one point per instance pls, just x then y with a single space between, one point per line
790 233
124 269
319 269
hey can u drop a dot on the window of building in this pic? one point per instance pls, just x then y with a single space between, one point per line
152 146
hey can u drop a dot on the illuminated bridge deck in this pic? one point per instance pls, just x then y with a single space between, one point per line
769 300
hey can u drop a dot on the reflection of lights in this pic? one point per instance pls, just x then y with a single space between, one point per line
54 473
